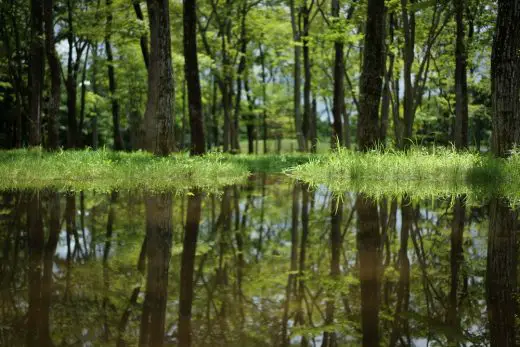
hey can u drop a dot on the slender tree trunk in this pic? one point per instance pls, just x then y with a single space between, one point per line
82 99
159 115
95 136
501 279
461 79
188 266
264 99
53 140
408 57
116 126
307 107
338 103
505 78
385 101
198 142
371 77
143 40
36 72
295 14
250 126
71 87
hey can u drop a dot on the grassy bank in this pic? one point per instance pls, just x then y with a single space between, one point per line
106 170
419 172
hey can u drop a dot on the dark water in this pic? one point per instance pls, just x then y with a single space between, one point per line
267 263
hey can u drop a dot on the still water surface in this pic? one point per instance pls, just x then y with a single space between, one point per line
267 263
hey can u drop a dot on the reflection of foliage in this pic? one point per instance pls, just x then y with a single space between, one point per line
242 268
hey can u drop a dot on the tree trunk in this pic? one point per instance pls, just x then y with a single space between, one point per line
143 40
461 80
264 99
385 101
159 115
505 78
36 72
53 140
307 107
501 276
188 266
338 104
116 127
82 99
70 83
371 77
297 76
408 57
198 142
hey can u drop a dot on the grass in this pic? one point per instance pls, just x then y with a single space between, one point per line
106 170
419 172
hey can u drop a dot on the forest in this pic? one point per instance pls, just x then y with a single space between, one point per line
259 173
259 76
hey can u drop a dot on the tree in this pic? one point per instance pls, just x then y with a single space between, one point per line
371 76
159 119
339 98
505 78
461 79
191 68
36 70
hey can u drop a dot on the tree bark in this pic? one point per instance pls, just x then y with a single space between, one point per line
143 40
338 103
159 115
36 72
297 75
371 76
307 107
505 78
53 140
461 79
116 126
198 142
408 58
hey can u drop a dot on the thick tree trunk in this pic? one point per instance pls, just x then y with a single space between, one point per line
461 79
371 77
198 142
53 140
188 266
505 78
36 72
159 115
501 279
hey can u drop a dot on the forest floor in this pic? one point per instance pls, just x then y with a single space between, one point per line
419 172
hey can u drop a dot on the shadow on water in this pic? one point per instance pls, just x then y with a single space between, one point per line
272 262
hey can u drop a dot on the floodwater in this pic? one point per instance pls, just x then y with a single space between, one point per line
270 262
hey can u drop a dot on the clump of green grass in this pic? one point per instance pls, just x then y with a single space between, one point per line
107 170
419 172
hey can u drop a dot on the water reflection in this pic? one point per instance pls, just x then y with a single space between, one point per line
270 263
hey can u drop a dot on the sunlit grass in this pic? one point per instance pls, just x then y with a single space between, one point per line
419 172
107 170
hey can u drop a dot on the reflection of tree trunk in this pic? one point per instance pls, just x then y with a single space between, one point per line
159 242
368 243
501 273
336 216
294 260
50 249
303 251
70 225
456 259
106 253
35 244
187 267
403 286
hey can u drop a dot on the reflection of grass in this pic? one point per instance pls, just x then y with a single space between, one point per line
104 170
419 172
